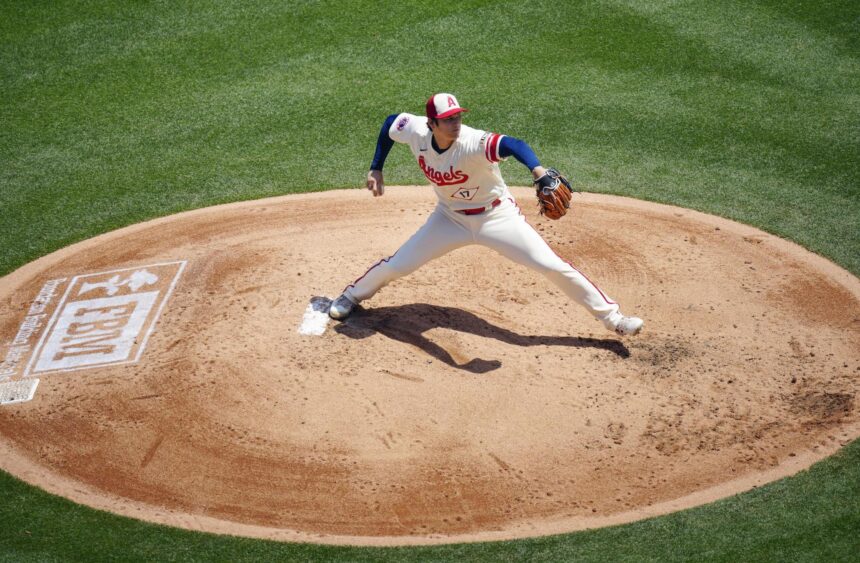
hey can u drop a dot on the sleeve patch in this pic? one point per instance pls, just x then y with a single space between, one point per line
406 127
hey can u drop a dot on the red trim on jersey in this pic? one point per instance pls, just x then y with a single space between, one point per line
491 148
594 285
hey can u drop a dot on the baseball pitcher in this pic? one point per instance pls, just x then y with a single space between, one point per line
475 207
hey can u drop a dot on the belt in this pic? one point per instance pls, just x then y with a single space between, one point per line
479 210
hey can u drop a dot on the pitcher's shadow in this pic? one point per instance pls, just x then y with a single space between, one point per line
408 323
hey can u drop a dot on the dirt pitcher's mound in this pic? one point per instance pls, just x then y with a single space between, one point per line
186 374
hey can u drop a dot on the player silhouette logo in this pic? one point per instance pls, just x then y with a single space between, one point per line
134 282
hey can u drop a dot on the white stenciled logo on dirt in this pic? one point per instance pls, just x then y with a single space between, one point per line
18 352
105 318
134 282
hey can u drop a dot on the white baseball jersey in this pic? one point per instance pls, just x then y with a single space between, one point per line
466 175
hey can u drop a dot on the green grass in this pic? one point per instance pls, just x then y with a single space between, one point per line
116 112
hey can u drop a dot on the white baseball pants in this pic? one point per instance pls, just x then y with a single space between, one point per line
502 228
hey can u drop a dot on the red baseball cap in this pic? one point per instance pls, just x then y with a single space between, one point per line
443 105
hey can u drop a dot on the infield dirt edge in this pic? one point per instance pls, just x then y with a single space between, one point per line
45 478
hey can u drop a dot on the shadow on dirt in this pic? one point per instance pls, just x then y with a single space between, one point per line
408 323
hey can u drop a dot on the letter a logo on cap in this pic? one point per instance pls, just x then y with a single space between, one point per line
440 106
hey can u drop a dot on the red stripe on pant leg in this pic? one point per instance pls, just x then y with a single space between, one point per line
519 210
594 285
368 271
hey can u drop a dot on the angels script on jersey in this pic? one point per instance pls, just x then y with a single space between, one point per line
449 178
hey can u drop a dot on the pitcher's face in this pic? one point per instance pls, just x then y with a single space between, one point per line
447 129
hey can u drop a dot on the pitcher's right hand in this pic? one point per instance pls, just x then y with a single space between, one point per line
375 183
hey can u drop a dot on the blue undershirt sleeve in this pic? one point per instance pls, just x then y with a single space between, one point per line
383 144
511 146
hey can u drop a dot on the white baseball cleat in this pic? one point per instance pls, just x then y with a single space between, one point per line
629 326
341 307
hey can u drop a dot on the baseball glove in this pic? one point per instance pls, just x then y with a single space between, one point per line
553 193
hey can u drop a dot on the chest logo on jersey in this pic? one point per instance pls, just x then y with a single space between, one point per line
465 193
450 178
